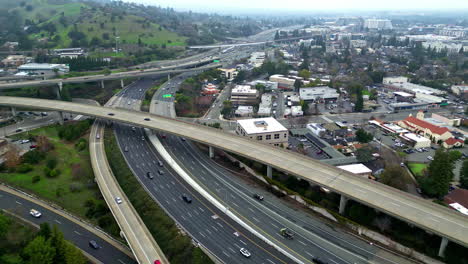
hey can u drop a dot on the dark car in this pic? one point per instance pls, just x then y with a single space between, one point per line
258 196
93 244
317 260
19 130
147 119
186 198
149 175
33 146
183 139
111 114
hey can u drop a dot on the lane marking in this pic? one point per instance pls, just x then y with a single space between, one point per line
243 242
57 221
18 202
76 232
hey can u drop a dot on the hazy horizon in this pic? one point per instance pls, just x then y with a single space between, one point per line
263 6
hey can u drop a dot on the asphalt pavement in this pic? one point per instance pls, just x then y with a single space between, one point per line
73 232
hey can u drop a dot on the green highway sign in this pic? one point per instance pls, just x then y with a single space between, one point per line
215 60
167 95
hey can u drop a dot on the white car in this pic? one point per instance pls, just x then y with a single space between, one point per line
245 252
35 213
430 158
303 140
118 200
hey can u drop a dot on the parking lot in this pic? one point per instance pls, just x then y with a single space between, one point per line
310 148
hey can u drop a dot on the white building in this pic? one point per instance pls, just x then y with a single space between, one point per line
378 24
244 110
44 69
296 110
316 129
451 48
243 95
264 109
321 92
257 58
268 85
284 82
416 141
267 130
357 169
229 74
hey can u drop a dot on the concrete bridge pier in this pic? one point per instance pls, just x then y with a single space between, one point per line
60 117
58 90
443 245
343 202
13 111
122 83
102 84
169 77
269 172
211 150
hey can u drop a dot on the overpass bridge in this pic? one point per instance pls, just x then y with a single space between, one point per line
447 223
114 76
243 44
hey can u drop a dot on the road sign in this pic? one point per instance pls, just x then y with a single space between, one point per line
215 60
167 95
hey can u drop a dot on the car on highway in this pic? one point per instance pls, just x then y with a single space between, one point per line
143 138
111 114
183 139
126 149
133 129
317 260
118 200
430 158
35 213
147 119
33 146
94 244
160 172
98 136
24 141
160 163
157 261
18 130
303 139
245 252
149 175
186 198
258 196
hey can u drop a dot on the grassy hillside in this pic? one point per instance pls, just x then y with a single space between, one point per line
59 23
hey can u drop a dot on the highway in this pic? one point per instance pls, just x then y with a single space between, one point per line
430 216
142 243
113 76
79 233
206 224
315 238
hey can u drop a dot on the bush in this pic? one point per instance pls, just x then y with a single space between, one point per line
51 163
81 144
36 178
51 173
76 187
23 168
73 131
33 156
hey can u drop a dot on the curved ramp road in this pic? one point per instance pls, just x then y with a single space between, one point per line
427 215
79 233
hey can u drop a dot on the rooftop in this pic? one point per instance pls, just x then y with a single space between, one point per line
416 138
356 168
261 125
421 123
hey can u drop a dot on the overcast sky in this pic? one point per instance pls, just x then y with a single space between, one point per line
306 5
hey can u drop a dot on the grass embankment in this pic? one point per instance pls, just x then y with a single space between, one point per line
149 94
176 246
417 168
71 185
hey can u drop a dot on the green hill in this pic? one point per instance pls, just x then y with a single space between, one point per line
59 24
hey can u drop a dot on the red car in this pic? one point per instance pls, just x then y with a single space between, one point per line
157 262
33 146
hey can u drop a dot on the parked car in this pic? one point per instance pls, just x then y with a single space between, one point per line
33 146
430 158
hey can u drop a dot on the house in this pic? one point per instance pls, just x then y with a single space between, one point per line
453 143
210 89
426 129
267 130
14 61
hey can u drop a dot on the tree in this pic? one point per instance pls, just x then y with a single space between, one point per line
297 84
44 230
363 137
464 175
58 242
364 154
440 174
277 36
4 224
455 155
39 251
393 175
361 213
304 74
73 255
359 101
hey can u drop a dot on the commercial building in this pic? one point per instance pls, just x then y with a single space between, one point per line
44 69
316 129
267 130
14 61
243 95
269 86
311 94
284 83
416 141
378 24
460 90
71 53
447 119
229 74
438 46
453 143
264 109
426 129
402 84
257 58
244 111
